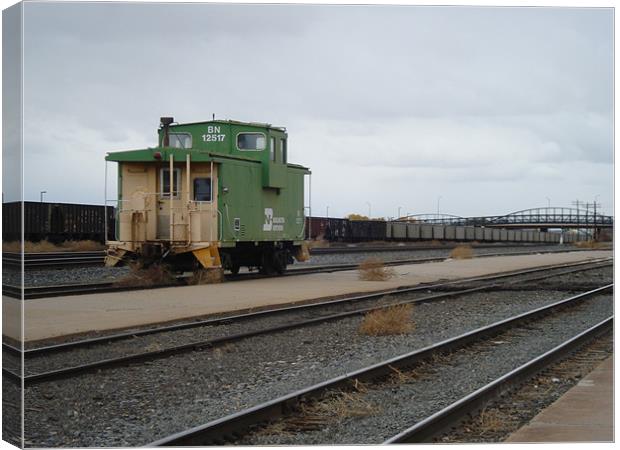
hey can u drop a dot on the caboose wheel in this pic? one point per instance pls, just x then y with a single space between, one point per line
273 262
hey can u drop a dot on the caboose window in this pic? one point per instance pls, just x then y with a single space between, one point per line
202 189
165 182
272 149
283 147
251 142
180 140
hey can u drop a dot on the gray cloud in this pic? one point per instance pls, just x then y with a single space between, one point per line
393 105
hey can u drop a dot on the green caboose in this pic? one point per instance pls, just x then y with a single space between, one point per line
211 194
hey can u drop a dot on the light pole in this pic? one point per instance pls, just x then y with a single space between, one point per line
369 213
327 212
42 192
548 202
595 234
399 208
438 198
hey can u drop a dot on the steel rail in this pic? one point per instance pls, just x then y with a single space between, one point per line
573 267
34 292
232 426
52 259
445 245
450 416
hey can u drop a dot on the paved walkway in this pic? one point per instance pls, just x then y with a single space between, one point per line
60 316
584 414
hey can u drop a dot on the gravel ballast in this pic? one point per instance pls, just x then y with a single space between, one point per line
138 404
160 341
397 406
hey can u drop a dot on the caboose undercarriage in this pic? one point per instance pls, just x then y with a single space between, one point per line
266 257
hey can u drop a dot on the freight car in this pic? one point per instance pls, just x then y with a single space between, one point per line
345 230
212 194
56 222
328 228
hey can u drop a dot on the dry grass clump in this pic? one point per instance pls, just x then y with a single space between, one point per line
587 244
319 242
220 351
334 407
154 275
490 421
435 243
46 246
387 321
345 404
207 276
462 252
373 269
400 377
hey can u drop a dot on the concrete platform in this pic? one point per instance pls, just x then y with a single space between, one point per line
58 316
583 414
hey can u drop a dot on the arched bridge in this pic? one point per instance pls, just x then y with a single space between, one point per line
550 217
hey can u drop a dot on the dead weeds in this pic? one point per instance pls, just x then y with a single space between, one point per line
462 252
333 407
587 244
47 246
206 276
374 269
154 275
388 321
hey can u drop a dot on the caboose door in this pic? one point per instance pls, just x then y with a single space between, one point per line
167 200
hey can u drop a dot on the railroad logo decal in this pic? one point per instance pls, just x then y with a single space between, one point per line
268 225
273 223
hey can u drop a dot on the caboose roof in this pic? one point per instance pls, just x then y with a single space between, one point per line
180 155
232 122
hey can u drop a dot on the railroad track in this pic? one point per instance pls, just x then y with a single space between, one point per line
232 428
33 292
51 260
355 248
286 318
47 260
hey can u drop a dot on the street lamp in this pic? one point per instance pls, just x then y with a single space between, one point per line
399 208
42 192
369 214
548 202
596 230
438 198
327 212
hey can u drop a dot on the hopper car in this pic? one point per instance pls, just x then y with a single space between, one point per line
56 222
213 194
345 230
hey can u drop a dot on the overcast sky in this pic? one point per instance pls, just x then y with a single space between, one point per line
479 110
